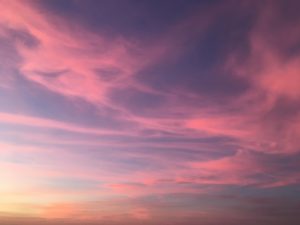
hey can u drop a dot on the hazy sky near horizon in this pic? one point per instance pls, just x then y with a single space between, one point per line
171 112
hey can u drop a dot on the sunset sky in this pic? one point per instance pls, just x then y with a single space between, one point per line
152 112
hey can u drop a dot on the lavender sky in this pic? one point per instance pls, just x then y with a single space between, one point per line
129 112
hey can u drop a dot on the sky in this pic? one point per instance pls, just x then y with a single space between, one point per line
130 112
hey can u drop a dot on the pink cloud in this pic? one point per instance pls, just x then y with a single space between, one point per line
163 152
62 47
50 124
140 214
234 170
273 73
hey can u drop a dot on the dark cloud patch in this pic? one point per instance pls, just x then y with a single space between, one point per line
10 58
190 77
130 18
51 74
277 22
22 37
59 6
288 9
280 122
283 113
107 74
138 102
200 68
280 167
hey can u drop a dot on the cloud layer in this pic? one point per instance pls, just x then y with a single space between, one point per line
175 109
